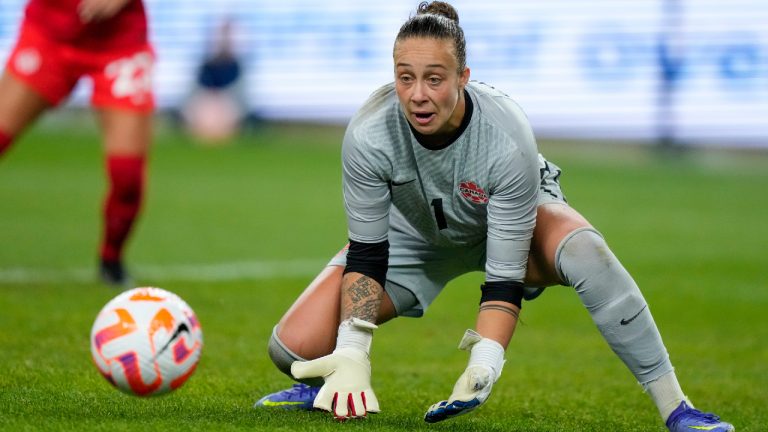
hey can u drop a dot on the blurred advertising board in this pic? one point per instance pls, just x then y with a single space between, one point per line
695 70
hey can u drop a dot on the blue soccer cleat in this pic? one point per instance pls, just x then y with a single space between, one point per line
687 419
298 397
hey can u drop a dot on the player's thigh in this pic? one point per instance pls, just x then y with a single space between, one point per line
309 326
37 76
125 132
123 98
554 221
20 105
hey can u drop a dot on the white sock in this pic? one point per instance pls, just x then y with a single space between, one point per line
666 394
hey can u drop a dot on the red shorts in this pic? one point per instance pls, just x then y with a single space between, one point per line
120 79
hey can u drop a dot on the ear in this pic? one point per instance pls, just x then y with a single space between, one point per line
464 77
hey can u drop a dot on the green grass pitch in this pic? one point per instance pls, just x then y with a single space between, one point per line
239 230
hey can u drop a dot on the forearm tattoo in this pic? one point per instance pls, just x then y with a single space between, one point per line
501 308
362 300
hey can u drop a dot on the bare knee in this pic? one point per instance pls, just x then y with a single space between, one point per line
309 327
308 343
553 223
125 132
283 357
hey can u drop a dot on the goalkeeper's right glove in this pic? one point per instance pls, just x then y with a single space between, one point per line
474 386
347 391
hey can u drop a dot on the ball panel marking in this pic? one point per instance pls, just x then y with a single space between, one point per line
146 341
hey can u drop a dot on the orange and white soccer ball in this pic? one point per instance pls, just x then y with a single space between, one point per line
146 341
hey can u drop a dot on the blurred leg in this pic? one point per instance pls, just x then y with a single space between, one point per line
126 133
20 106
127 138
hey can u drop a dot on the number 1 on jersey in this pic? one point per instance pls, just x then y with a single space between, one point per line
437 203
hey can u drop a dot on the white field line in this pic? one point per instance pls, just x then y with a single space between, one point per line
208 272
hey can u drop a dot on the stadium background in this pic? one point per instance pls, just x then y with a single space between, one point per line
239 229
590 69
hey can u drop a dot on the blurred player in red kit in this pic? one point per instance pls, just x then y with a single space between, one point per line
61 41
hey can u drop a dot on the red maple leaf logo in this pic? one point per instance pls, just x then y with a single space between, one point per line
473 192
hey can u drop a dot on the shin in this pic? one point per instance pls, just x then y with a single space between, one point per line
126 176
620 312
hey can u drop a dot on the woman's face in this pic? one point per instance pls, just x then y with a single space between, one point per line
429 86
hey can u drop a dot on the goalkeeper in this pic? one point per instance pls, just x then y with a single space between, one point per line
441 177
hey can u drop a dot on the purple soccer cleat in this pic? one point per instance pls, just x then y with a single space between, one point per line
298 397
687 419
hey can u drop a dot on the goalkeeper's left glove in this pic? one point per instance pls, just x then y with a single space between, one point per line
473 388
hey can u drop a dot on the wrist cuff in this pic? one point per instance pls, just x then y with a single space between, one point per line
483 352
355 333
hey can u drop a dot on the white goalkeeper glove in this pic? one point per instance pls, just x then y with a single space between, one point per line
347 391
473 388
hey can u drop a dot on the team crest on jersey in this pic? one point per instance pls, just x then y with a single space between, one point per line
473 192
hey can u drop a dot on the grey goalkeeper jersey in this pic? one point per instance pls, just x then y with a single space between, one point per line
481 187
